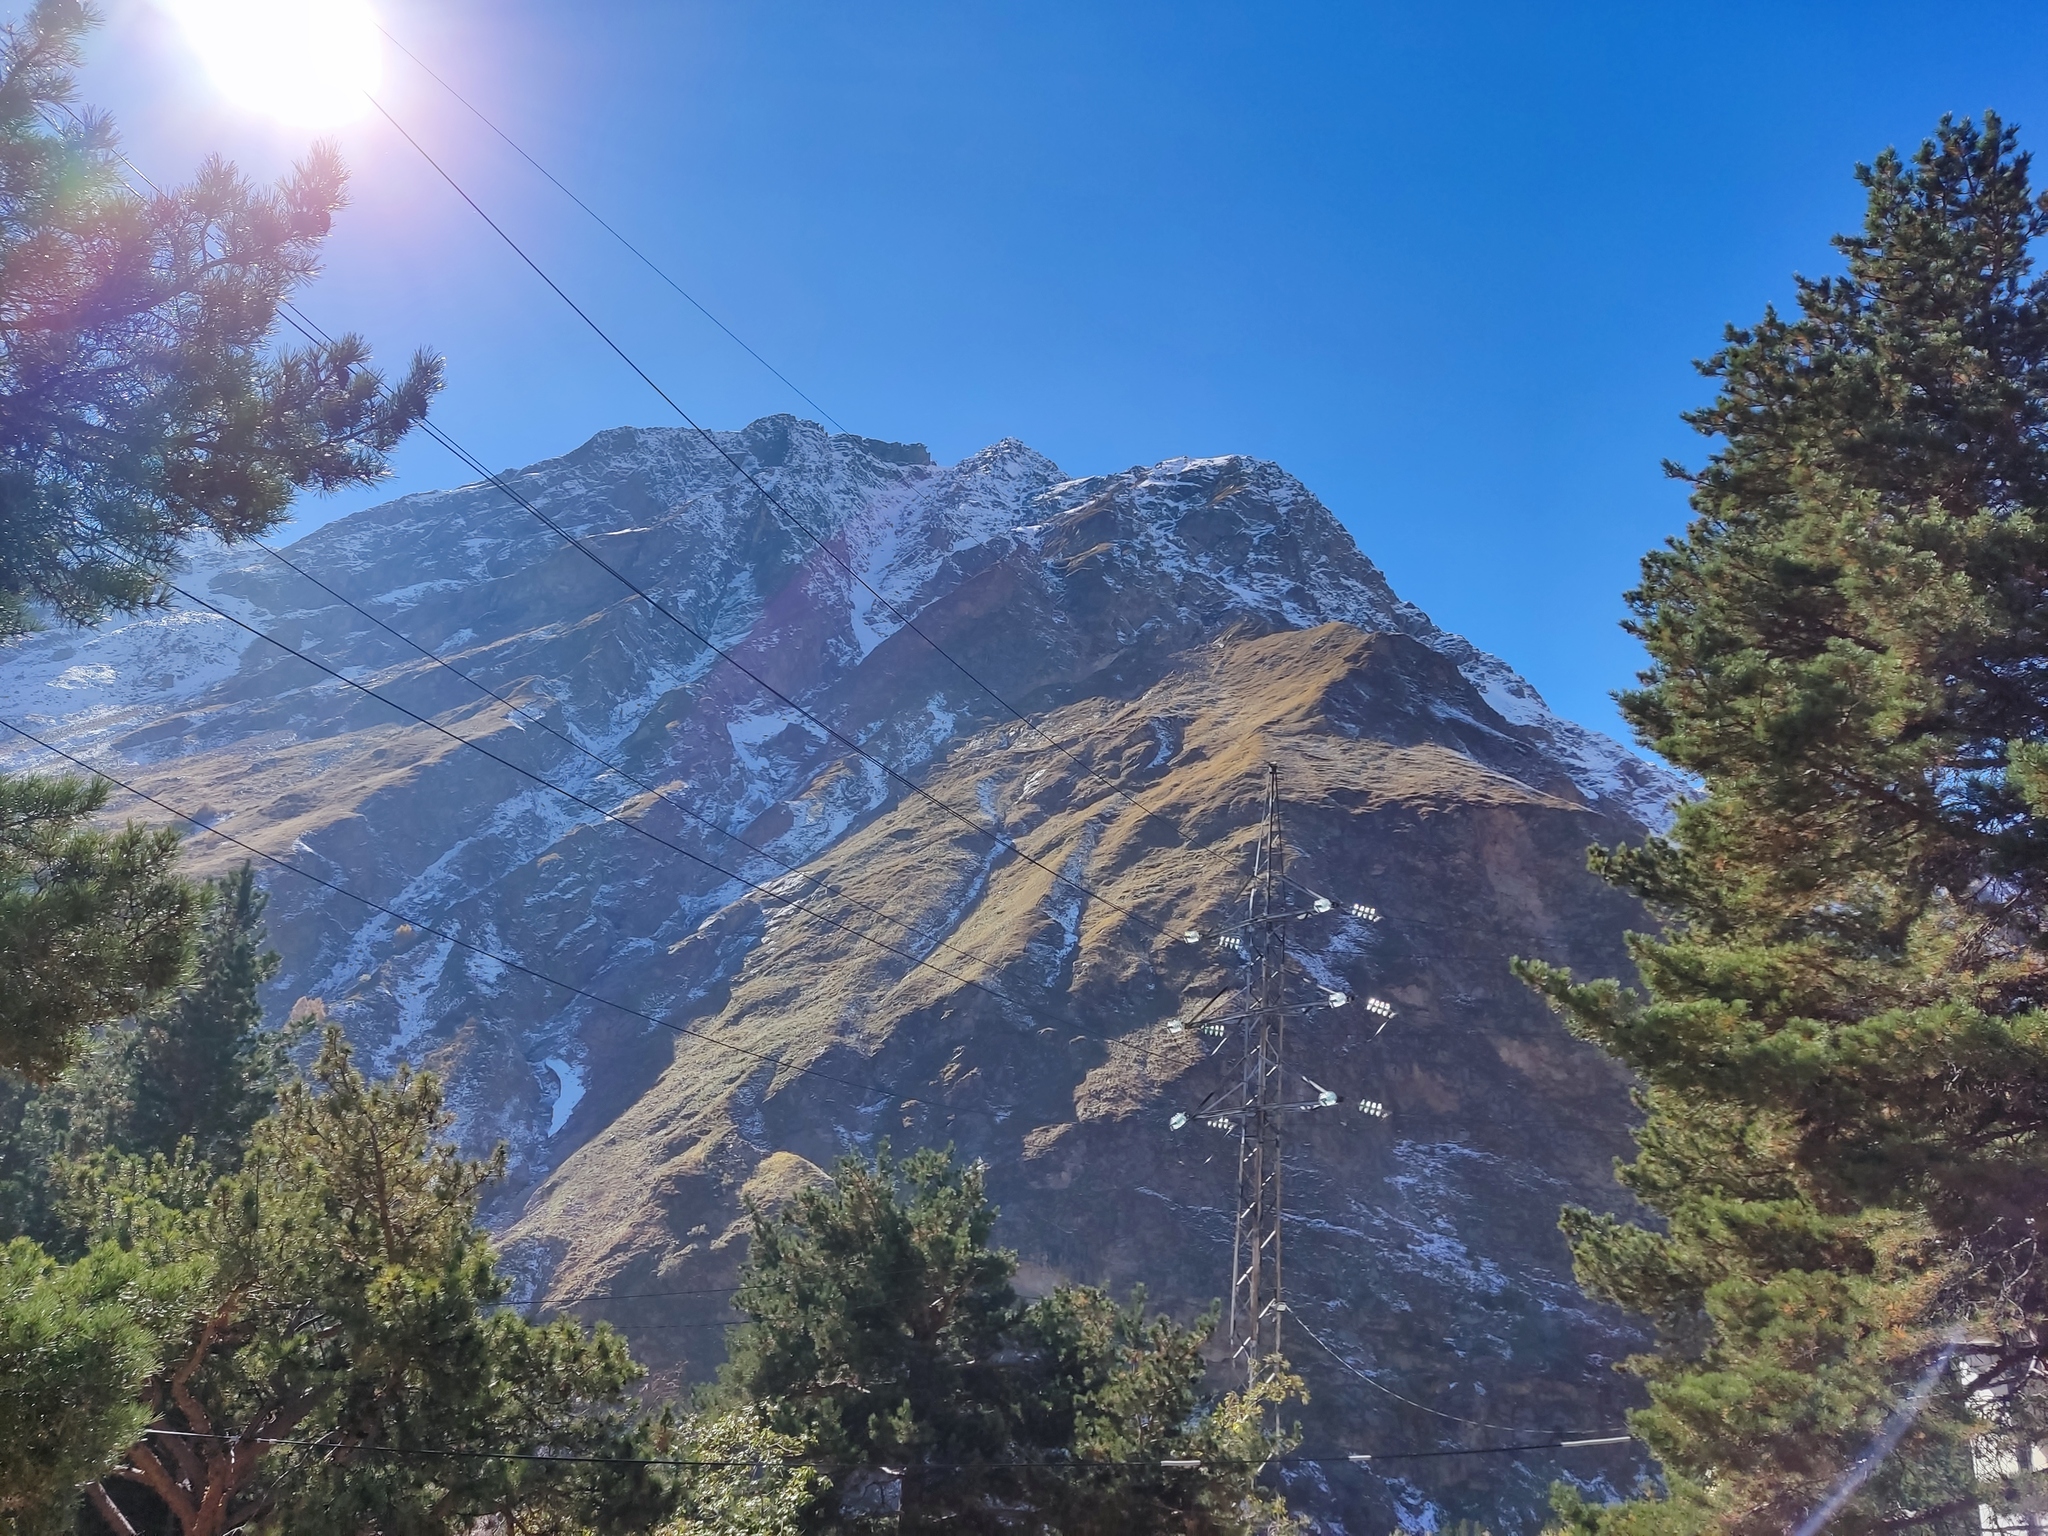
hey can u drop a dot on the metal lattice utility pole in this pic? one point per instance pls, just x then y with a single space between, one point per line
1262 1091
1256 1303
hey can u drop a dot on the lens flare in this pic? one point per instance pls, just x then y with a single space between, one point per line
304 62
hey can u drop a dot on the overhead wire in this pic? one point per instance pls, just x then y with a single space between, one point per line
788 702
606 225
756 886
597 1296
304 325
510 962
642 256
308 328
816 881
697 1290
1513 1429
744 473
1159 1463
312 332
760 889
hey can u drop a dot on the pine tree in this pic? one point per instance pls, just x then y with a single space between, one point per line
42 1129
200 1067
93 924
1840 1030
72 1346
336 1293
140 402
885 1339
203 1066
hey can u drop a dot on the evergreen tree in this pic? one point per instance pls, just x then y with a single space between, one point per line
200 1067
140 402
42 1129
336 1293
885 1339
203 1066
71 1347
738 1477
93 924
1840 1029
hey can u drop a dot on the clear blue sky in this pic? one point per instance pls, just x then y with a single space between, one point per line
1447 263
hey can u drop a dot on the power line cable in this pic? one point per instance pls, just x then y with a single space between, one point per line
611 816
297 320
597 1296
700 1290
608 228
744 473
1513 1429
817 882
307 328
511 963
769 688
311 332
1163 1463
1367 1457
602 223
591 805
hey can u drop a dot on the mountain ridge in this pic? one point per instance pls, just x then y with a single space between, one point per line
1608 769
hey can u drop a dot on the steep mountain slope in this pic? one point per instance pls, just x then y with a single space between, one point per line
1168 631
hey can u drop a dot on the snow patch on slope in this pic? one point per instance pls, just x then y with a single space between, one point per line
80 685
568 1092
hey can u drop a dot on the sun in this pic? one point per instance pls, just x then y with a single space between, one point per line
305 62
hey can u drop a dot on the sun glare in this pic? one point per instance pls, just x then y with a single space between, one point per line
305 62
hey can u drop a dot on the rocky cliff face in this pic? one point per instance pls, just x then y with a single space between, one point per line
1168 631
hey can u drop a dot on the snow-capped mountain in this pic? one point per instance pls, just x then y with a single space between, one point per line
735 748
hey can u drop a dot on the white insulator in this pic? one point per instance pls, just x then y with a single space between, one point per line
1179 1119
1220 1123
1339 999
1360 910
1373 1108
1379 1007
